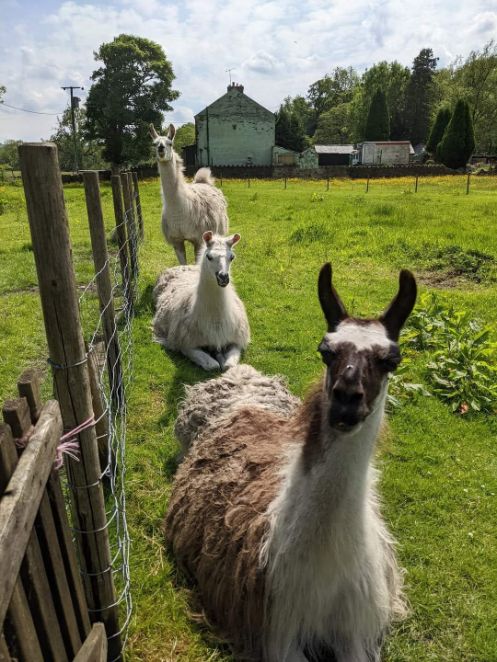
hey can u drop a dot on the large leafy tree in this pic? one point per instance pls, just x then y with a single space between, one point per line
289 130
458 142
9 155
89 152
301 108
130 90
334 89
378 121
392 78
420 96
334 126
438 129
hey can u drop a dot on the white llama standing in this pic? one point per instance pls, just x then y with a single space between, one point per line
198 311
275 515
189 210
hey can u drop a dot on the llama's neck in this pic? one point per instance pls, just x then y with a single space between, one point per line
327 480
172 180
211 299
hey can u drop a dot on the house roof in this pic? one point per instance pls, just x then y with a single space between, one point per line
334 149
234 90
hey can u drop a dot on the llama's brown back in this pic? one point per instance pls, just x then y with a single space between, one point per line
217 520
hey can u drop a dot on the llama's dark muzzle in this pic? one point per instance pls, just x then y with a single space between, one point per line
222 278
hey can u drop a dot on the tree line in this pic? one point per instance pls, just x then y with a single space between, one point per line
452 109
390 101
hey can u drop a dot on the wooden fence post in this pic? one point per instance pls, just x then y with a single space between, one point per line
104 284
138 205
121 233
467 183
131 231
52 252
285 183
367 185
416 185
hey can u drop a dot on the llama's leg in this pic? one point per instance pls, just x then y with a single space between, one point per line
230 358
197 246
179 248
201 358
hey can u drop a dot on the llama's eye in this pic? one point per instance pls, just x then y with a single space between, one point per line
209 257
327 354
389 363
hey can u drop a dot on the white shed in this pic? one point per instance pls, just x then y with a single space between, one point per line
384 152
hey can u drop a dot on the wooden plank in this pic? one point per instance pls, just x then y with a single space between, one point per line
28 387
131 230
57 284
22 497
17 415
54 564
104 284
94 648
19 621
68 554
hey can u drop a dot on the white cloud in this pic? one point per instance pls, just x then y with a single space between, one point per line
277 47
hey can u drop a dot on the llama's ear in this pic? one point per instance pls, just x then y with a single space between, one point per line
394 317
153 133
171 132
207 237
331 304
234 239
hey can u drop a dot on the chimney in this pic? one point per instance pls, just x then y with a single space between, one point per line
235 86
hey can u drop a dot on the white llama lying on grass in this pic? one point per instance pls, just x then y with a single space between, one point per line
198 311
189 210
274 512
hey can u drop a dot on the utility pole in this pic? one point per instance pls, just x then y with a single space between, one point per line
74 104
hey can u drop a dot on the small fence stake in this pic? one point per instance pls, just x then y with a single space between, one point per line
467 183
138 204
104 284
130 231
52 252
367 185
285 183
416 185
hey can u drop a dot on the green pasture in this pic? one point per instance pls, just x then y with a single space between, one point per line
439 470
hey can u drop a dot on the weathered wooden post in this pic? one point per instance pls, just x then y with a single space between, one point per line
285 183
367 185
130 230
467 183
138 205
104 284
122 241
416 185
67 356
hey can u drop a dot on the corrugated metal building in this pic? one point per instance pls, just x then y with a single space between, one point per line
234 130
384 152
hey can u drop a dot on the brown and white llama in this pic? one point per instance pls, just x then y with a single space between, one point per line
275 517
188 210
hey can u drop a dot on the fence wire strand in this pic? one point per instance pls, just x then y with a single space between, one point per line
114 393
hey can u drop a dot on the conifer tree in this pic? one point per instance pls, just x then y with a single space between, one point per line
458 141
378 122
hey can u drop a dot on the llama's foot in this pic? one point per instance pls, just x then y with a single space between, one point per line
179 249
230 358
202 359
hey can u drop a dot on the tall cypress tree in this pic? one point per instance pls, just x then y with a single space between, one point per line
458 142
438 129
420 95
378 122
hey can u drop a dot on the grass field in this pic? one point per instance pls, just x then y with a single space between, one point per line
439 470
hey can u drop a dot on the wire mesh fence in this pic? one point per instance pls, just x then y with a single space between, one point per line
112 365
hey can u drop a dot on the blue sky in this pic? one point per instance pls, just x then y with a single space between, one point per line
276 47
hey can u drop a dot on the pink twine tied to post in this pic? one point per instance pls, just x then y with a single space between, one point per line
69 444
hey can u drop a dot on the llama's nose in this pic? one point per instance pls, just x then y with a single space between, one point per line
223 278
